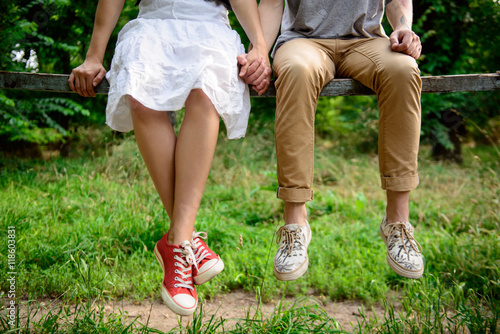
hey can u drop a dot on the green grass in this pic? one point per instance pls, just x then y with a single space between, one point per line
85 225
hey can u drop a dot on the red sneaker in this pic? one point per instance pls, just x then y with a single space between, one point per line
177 290
208 264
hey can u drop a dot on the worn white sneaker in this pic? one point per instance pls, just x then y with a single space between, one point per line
404 253
291 260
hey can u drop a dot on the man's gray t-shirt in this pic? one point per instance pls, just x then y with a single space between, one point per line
331 19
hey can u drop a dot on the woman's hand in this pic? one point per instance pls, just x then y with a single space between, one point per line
255 69
85 77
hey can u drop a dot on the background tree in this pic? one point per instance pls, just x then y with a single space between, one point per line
459 37
49 36
52 36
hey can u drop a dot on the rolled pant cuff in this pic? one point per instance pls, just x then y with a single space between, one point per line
294 195
399 183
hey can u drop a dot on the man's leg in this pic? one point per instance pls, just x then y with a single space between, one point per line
302 68
395 78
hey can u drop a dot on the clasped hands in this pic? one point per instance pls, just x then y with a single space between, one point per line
255 69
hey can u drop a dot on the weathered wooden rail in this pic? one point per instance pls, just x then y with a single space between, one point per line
337 87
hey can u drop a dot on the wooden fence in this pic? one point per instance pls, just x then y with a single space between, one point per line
337 87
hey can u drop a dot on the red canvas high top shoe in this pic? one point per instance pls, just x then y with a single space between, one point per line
208 264
177 289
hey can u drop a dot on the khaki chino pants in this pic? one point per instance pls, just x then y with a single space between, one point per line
303 66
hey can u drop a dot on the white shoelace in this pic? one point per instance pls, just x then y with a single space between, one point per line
184 262
288 238
200 250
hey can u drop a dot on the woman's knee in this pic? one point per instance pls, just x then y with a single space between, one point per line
197 98
144 115
138 110
200 104
134 104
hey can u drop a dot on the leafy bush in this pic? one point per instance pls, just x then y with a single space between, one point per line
457 39
37 120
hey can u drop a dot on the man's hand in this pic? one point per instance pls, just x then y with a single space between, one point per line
406 41
255 71
85 77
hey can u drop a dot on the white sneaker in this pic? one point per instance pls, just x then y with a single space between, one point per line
404 253
291 260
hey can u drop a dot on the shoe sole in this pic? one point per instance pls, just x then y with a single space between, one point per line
167 298
294 274
209 274
395 266
297 273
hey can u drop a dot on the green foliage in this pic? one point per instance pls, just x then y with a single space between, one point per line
37 120
58 31
458 38
430 307
301 316
84 317
49 36
13 29
342 116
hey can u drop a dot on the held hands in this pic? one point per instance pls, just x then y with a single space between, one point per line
85 77
255 69
406 41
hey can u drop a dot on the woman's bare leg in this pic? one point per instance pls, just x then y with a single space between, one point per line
156 141
193 157
178 167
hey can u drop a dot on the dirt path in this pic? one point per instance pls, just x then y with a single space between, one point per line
232 306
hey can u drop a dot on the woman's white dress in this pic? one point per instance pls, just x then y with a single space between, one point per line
172 47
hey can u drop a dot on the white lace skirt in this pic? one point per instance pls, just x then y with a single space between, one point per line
172 47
